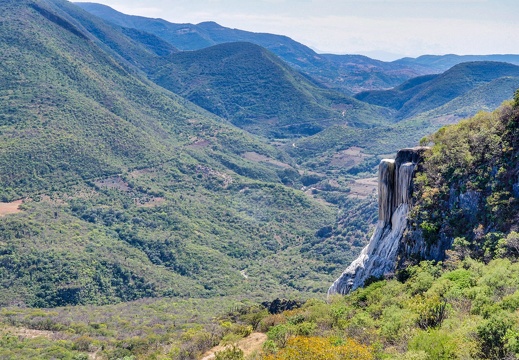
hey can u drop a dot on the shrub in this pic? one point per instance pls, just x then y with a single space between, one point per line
492 335
438 344
230 353
317 348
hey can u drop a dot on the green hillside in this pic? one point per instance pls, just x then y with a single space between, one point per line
486 97
129 190
422 106
255 90
462 308
465 307
427 93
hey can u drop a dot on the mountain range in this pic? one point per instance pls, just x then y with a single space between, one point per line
347 73
97 113
165 167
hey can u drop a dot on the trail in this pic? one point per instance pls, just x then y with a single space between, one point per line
248 345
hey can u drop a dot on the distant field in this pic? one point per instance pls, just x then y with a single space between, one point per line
362 188
10 208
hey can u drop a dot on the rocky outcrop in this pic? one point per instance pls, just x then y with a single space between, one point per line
379 257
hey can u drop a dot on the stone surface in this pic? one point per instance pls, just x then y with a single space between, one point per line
380 256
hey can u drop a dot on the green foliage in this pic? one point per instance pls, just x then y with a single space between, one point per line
465 191
255 90
132 192
437 344
14 347
493 335
230 353
463 313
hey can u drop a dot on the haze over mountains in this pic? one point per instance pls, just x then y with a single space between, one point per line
348 73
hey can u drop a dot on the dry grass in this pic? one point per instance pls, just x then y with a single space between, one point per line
10 208
29 333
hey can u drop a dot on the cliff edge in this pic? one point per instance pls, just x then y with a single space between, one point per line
380 256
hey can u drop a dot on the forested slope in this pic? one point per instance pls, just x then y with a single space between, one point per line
129 190
464 307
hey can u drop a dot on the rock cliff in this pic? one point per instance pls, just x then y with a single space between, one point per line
380 256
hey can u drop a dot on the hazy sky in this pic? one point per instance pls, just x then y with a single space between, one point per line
376 28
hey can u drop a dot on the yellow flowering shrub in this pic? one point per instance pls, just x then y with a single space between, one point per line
318 348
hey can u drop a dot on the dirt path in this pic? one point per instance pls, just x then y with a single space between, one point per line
249 345
10 208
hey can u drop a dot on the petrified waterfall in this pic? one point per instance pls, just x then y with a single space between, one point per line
379 257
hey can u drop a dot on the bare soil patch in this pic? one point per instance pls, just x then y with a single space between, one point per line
151 202
137 173
348 158
113 182
363 188
10 208
248 345
199 143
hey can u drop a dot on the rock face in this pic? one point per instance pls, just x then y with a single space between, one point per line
379 257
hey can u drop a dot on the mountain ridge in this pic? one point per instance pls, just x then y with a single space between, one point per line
348 73
255 90
440 89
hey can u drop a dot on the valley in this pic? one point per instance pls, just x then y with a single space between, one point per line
159 181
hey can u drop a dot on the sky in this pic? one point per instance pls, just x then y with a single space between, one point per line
382 29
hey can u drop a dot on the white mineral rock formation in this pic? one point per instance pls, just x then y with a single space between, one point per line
379 257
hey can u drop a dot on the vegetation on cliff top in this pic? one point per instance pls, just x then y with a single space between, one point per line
468 189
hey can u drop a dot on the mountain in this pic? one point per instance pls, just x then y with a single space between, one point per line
429 92
243 83
128 190
135 223
255 90
441 63
421 106
348 73
205 34
356 73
